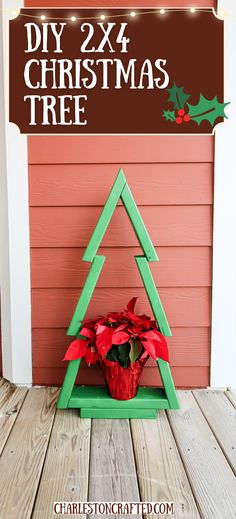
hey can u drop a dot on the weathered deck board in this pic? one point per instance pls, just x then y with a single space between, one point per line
160 470
221 416
6 390
11 400
210 475
66 469
112 474
231 395
45 459
22 459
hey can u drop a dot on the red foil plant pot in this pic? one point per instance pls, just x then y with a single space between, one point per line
123 382
121 343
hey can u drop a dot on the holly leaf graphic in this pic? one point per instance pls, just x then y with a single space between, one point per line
177 96
168 115
207 110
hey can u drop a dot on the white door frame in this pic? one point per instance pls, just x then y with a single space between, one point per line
223 343
14 223
14 226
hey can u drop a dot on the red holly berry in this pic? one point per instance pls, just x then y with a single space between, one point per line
187 118
178 120
181 112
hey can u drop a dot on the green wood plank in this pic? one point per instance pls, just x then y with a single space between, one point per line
68 384
117 413
168 383
153 295
138 225
105 217
98 397
86 295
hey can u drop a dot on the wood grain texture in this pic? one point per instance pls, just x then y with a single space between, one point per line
160 471
113 3
10 405
231 395
221 416
76 149
66 468
187 347
189 377
73 226
6 391
177 266
22 459
210 476
112 475
165 184
185 307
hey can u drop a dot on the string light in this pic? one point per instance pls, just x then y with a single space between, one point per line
162 11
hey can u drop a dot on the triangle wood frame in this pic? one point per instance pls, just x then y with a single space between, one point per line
95 402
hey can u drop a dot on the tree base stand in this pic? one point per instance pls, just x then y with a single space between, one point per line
95 402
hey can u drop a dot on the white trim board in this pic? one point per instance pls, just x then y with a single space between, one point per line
14 222
223 344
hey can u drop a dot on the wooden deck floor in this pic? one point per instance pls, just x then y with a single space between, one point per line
186 456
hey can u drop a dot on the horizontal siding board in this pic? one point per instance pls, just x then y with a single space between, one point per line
187 347
167 225
151 184
84 149
178 266
53 308
183 376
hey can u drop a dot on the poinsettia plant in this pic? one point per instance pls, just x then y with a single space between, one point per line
122 337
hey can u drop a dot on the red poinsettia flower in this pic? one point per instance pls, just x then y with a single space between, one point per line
97 336
91 355
78 347
155 344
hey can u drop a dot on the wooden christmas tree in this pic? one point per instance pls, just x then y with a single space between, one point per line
95 402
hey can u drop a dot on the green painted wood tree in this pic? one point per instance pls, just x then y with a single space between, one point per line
95 402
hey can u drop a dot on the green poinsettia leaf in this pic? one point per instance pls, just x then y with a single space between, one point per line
123 350
113 354
177 96
207 110
135 350
169 115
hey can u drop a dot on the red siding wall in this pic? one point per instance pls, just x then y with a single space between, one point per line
171 179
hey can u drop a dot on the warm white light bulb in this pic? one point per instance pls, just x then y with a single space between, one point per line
192 10
43 17
162 11
73 19
133 14
14 13
103 17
